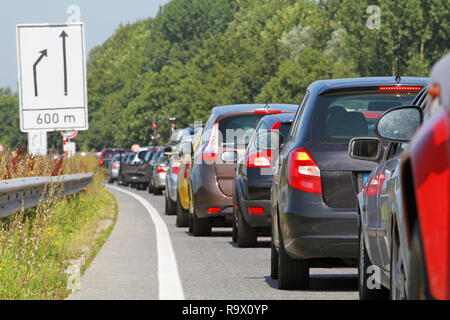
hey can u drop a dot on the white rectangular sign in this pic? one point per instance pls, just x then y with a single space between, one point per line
52 77
37 143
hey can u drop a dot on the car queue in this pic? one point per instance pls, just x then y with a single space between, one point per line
342 179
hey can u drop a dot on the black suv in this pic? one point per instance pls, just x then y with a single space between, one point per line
253 180
314 214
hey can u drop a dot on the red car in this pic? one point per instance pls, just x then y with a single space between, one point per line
427 163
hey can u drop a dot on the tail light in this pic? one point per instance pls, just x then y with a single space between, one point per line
374 187
213 210
255 210
276 126
267 111
101 162
175 169
400 89
114 166
304 174
186 170
259 160
212 148
161 169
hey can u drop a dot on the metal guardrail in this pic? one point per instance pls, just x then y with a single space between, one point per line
27 192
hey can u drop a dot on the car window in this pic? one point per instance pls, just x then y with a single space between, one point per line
247 123
341 117
296 123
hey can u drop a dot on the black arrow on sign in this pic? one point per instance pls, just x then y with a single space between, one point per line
43 54
64 35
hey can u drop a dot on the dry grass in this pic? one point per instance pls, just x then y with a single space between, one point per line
38 245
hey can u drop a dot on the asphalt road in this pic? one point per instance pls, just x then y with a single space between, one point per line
209 268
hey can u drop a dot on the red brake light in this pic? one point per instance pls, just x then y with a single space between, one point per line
255 210
161 169
276 125
114 166
399 89
155 149
267 111
211 150
101 162
213 210
262 159
304 174
175 169
186 170
374 187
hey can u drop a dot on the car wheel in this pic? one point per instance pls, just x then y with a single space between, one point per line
200 227
157 191
397 274
169 205
273 260
150 188
234 230
190 223
366 293
418 287
246 235
182 218
292 273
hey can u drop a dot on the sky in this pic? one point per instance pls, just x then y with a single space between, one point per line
100 18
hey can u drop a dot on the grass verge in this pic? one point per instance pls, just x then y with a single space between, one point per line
39 246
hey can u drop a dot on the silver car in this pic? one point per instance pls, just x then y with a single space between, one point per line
114 168
158 179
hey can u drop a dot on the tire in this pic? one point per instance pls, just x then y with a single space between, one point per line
200 227
418 286
366 293
234 230
150 188
273 260
397 272
169 206
182 217
190 223
246 235
292 273
157 191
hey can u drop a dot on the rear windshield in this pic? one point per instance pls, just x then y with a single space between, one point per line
341 117
110 154
163 159
129 157
246 123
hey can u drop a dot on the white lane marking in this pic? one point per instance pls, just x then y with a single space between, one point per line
170 287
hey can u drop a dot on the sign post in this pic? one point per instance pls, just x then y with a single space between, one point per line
52 77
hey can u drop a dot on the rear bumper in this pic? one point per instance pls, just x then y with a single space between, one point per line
159 180
257 220
310 229
136 179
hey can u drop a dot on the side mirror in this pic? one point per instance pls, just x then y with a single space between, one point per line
167 149
399 124
369 149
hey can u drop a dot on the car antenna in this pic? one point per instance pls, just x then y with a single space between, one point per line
398 78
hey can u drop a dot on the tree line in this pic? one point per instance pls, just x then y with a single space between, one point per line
197 54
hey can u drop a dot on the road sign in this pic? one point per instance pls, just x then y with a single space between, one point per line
69 134
52 77
135 147
37 143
